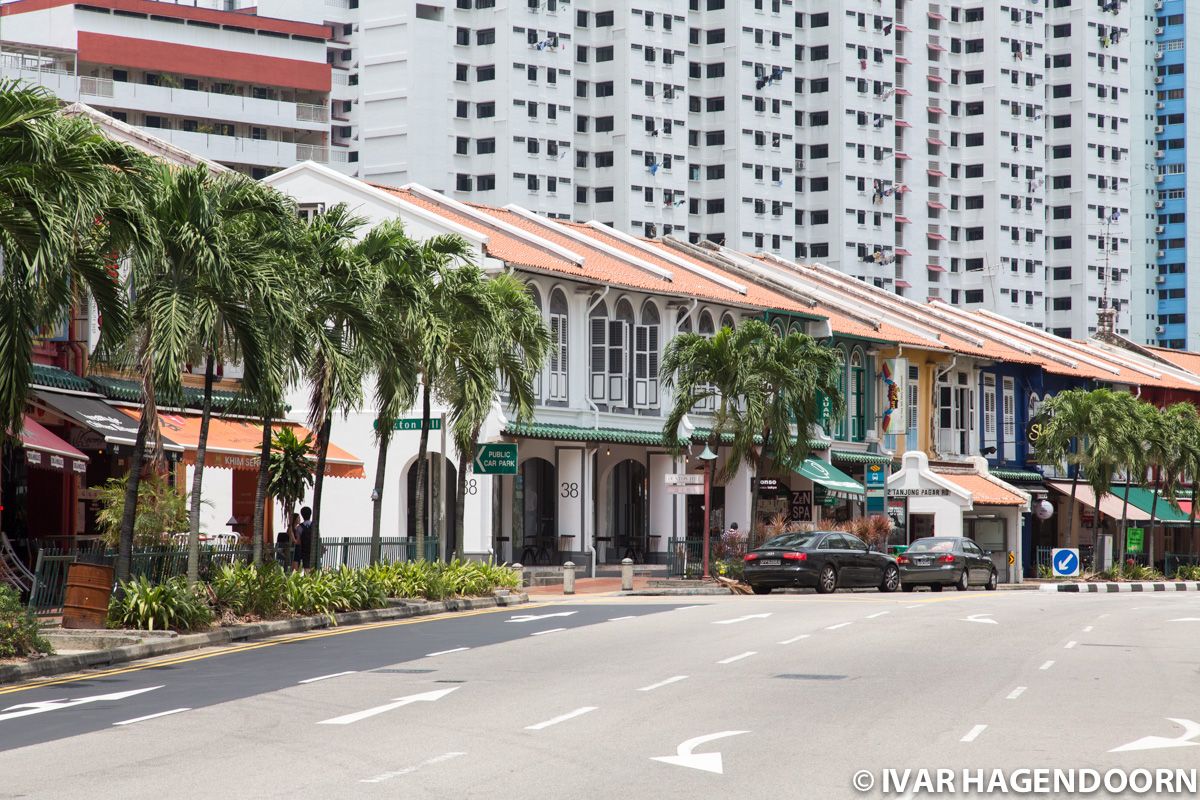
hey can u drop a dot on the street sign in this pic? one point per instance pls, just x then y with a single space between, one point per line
1135 540
1065 562
687 488
1012 558
876 477
495 458
413 424
683 479
876 501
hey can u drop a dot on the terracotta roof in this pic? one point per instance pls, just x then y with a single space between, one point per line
1180 358
983 491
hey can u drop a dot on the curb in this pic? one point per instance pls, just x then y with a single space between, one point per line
1107 588
705 590
402 609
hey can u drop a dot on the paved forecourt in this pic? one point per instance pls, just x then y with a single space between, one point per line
763 696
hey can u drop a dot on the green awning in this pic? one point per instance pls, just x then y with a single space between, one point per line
1011 475
1144 499
829 476
128 391
55 378
858 457
574 433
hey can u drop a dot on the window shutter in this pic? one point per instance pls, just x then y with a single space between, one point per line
618 333
599 357
652 356
641 366
989 411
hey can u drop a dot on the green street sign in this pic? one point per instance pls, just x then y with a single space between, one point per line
495 459
1135 540
413 424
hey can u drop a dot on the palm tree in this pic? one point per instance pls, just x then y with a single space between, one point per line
1105 445
1167 456
1133 456
500 351
1066 420
290 470
216 269
336 313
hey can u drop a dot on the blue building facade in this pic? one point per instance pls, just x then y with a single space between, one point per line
1171 178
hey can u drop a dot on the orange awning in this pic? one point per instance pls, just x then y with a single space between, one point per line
983 491
235 443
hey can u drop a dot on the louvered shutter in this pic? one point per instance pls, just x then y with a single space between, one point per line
599 357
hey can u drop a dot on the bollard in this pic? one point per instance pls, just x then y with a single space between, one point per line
569 577
520 570
626 574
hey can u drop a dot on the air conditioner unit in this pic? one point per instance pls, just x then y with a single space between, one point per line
1158 79
1160 105
1158 54
1160 228
1159 329
1162 253
1158 5
1158 128
1158 31
1160 153
1160 279
1159 203
1159 178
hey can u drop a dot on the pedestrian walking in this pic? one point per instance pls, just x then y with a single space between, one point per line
304 539
286 542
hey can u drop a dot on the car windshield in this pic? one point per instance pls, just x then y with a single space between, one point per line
791 540
932 546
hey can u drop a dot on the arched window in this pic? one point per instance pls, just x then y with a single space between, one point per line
557 367
839 422
618 354
645 358
706 327
727 321
777 327
857 401
684 321
598 350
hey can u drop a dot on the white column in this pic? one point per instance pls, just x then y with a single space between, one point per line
569 488
661 503
737 498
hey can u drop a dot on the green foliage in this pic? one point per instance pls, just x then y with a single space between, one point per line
247 590
1130 570
1044 572
290 473
1188 572
306 594
19 635
172 605
161 511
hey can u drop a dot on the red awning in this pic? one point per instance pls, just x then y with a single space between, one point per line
903 92
936 78
902 60
935 141
935 15
901 284
902 156
905 28
936 110
935 204
903 220
937 236
902 124
44 450
936 47
936 173
935 268
900 251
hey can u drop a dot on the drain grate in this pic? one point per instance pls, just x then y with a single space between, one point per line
800 676
404 671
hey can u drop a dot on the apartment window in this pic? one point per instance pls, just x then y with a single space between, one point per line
1061 90
485 110
604 89
461 72
462 183
604 124
1061 303
604 54
604 194
819 53
604 19
462 145
485 36
487 73
485 183
462 109
973 296
485 146
973 139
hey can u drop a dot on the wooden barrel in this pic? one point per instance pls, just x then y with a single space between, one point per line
89 587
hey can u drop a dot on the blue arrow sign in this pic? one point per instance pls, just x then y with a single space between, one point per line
1064 561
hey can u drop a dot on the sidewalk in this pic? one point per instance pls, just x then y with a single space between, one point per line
588 586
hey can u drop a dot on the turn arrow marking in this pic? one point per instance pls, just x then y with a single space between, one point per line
426 697
980 618
28 709
532 617
741 619
705 762
1190 731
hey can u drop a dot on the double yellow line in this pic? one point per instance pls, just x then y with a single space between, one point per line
241 648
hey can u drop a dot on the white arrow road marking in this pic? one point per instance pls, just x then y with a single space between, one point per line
579 712
533 617
660 684
1015 693
548 630
877 614
738 657
980 618
409 770
324 677
795 639
1047 665
426 697
446 652
839 625
973 734
1070 645
741 619
28 709
152 716
1185 619
1190 731
685 608
707 762
618 619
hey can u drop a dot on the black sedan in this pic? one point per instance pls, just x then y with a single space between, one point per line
825 560
938 561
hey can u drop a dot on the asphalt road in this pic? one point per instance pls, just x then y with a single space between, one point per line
806 690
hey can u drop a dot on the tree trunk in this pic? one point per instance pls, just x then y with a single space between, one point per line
1148 544
193 562
385 439
1191 522
260 492
1119 552
1095 532
760 470
458 537
318 487
1071 507
422 472
129 514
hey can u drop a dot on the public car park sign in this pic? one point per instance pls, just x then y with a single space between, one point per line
495 458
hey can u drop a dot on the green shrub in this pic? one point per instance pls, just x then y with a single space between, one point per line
307 593
19 635
1188 572
248 590
172 605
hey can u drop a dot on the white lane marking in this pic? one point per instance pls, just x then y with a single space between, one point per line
425 697
660 684
534 617
796 638
1070 645
1015 693
973 734
738 657
1185 619
980 618
741 619
618 619
839 625
1190 731
1047 665
446 652
685 608
43 706
707 762
409 770
579 712
918 605
877 614
1088 629
1102 616
325 677
550 630
151 716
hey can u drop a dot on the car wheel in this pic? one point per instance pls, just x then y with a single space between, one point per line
891 580
908 587
935 587
761 589
827 581
991 584
964 581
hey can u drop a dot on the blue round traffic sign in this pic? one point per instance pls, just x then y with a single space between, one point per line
1065 562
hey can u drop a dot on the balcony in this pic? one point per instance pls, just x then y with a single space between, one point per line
240 149
204 105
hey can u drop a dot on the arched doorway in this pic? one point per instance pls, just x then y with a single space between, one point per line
537 511
433 501
628 510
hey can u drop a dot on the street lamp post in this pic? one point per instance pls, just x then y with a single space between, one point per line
708 457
